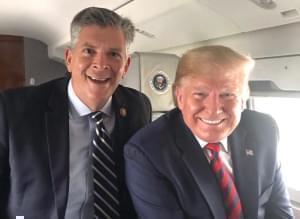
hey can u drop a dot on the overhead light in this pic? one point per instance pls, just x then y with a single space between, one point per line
122 5
140 31
266 4
145 33
290 13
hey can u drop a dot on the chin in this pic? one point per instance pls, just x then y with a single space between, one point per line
212 139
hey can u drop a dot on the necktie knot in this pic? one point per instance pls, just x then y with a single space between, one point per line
97 116
100 128
213 147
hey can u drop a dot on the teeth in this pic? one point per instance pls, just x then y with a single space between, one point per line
96 79
211 122
93 78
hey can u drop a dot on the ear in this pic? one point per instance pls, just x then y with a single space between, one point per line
68 59
244 104
178 96
245 97
126 67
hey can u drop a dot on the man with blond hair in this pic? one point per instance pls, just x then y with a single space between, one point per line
208 157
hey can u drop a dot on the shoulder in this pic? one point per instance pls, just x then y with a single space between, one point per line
148 142
137 104
33 95
129 93
261 130
156 141
257 120
24 92
157 133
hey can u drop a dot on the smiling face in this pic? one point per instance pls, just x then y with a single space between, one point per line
211 103
97 64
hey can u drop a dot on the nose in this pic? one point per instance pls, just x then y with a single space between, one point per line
100 62
213 104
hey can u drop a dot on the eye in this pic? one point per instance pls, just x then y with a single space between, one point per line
199 95
88 51
115 54
228 95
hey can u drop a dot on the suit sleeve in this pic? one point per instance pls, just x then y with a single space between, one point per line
147 108
279 205
152 194
4 169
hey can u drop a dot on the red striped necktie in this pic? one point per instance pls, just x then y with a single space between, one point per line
224 178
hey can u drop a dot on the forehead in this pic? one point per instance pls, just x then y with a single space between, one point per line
96 33
212 81
218 81
216 72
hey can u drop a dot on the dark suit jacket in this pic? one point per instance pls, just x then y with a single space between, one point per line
34 148
169 177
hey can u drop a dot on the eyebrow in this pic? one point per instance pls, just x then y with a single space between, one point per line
116 49
86 44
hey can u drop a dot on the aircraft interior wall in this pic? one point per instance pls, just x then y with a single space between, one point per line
153 74
276 51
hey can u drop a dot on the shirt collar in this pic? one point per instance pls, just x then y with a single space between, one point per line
223 142
79 109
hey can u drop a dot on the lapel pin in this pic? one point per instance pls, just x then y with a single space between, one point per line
123 112
249 152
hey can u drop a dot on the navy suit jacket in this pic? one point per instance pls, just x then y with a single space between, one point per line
169 177
34 148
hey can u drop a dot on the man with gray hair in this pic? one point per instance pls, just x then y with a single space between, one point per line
61 143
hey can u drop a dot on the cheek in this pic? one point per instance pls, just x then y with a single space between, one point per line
235 111
81 62
80 66
234 106
120 68
194 105
191 111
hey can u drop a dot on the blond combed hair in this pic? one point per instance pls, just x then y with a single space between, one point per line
201 60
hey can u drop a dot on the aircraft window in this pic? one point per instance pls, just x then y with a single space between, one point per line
285 110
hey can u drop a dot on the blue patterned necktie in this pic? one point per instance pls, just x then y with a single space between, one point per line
106 201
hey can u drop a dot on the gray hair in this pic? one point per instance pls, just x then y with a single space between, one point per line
102 17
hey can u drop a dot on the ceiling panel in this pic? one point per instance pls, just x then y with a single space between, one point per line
172 22
188 23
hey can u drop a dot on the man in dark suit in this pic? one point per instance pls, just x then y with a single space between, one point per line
174 168
46 164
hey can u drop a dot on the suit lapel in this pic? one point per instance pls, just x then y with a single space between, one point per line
197 164
121 125
57 129
245 170
120 132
